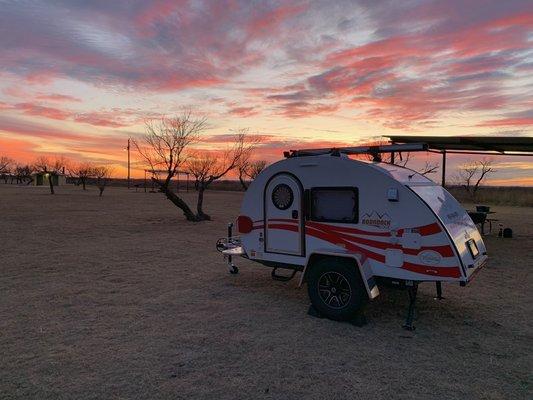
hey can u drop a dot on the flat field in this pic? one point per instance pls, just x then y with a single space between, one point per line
120 298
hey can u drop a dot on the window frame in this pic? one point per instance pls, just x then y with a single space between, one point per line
355 190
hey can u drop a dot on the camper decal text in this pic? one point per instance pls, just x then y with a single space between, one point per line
376 219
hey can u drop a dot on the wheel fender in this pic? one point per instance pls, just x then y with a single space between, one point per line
359 262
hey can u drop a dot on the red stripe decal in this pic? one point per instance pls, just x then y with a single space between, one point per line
286 227
444 251
341 240
424 230
333 228
449 272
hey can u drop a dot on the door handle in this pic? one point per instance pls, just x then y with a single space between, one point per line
294 214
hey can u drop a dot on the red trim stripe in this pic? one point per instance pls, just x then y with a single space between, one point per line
349 243
444 251
286 227
345 229
424 230
448 272
452 272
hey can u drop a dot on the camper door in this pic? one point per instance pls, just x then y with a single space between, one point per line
283 215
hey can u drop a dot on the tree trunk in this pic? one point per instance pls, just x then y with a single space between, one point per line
243 182
83 184
200 203
51 183
177 201
101 189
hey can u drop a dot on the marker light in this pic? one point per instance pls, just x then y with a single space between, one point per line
244 224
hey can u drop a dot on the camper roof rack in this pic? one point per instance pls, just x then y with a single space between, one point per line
375 151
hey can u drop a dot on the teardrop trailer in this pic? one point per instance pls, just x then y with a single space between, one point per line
349 226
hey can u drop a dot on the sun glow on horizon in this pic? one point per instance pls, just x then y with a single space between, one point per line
85 78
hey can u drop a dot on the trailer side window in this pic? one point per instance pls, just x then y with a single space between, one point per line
335 204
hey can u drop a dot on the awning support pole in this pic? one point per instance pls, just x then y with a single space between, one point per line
443 183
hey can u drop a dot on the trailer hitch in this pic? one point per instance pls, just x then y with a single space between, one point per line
229 248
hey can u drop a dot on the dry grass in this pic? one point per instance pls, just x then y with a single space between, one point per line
492 195
120 298
497 195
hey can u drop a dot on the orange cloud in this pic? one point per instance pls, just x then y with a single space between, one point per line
22 151
243 111
525 121
42 111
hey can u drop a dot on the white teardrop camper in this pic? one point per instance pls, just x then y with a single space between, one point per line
349 226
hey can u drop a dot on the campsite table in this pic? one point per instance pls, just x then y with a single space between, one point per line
481 218
490 221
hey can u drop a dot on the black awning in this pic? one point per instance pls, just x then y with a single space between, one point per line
489 144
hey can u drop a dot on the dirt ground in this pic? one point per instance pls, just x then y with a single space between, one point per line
120 298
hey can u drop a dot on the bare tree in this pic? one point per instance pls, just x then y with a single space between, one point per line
246 167
403 159
50 167
429 168
209 167
82 172
250 170
255 168
22 173
6 165
102 174
472 174
164 149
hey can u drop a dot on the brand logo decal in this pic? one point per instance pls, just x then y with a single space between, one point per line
376 219
453 216
429 257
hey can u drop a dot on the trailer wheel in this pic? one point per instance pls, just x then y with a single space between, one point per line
335 289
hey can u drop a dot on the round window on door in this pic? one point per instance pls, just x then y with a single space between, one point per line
282 196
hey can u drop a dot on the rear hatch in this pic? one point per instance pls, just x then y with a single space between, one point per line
458 224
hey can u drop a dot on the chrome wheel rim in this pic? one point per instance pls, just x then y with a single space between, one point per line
334 290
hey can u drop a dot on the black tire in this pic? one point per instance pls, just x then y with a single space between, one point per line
344 281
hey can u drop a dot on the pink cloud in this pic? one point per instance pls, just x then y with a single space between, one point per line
524 121
263 23
456 70
100 119
113 118
43 111
56 97
299 109
243 111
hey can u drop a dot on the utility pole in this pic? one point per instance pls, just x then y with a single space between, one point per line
128 148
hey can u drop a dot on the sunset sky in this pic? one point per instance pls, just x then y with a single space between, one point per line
78 78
